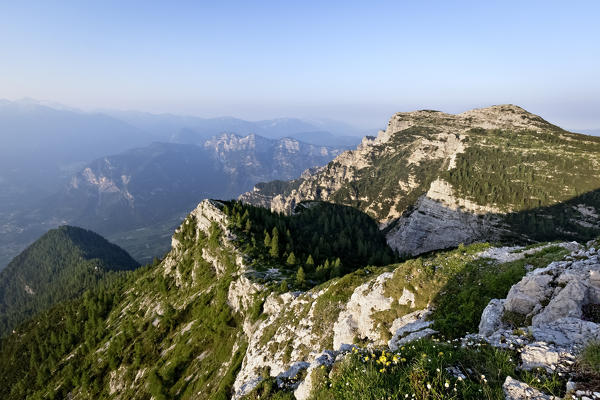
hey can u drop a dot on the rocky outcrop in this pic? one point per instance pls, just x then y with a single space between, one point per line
441 220
550 303
355 321
517 390
410 327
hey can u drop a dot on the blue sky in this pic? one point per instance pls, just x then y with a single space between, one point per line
357 62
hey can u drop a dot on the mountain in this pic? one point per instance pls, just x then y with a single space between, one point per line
228 313
60 265
434 180
42 146
195 130
136 198
324 138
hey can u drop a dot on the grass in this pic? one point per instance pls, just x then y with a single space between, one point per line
422 370
589 359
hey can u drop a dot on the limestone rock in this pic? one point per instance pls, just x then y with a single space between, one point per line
567 303
567 332
544 355
355 320
517 390
531 290
410 327
326 358
491 318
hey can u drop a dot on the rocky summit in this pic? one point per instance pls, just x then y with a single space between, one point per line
434 180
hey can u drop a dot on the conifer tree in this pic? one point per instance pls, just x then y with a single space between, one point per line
300 277
310 263
291 260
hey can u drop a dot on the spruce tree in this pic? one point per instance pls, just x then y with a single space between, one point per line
291 260
300 277
310 263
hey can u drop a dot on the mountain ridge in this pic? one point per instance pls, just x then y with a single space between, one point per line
153 187
429 163
205 323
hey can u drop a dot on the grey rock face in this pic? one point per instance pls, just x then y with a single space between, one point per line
544 355
525 295
517 390
554 297
433 225
491 318
410 327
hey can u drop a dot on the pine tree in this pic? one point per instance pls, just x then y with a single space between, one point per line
274 252
337 268
300 277
283 287
310 263
291 260
267 239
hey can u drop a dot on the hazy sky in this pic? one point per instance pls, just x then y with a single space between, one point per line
354 61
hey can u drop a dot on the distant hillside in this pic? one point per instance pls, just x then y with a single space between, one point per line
58 266
434 180
136 198
194 130
42 146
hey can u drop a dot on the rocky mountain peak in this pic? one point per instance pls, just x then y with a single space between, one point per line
434 179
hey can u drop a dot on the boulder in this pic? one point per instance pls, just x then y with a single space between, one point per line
491 318
517 390
567 332
530 291
567 303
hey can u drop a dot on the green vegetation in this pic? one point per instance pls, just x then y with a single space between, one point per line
458 306
145 333
590 358
60 265
539 178
376 190
458 284
319 242
521 170
426 369
589 365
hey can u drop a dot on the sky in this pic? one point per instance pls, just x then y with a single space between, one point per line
357 62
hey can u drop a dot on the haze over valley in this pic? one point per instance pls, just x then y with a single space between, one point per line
299 201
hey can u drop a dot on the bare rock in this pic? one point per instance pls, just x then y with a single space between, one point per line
567 303
567 332
355 320
517 390
545 355
413 325
531 290
491 318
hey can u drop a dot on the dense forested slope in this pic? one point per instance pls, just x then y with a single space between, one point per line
60 265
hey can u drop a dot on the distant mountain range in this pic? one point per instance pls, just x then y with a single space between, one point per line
138 197
46 147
